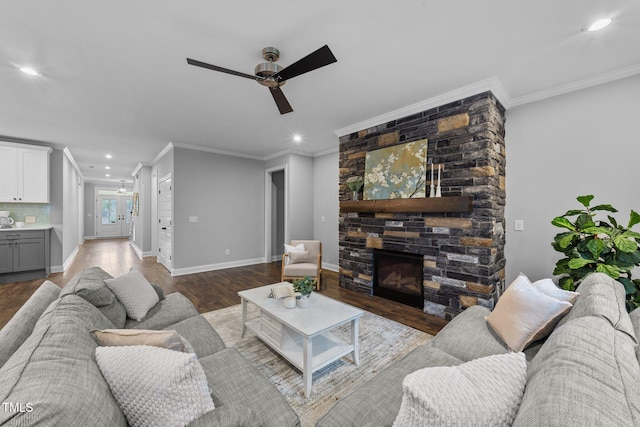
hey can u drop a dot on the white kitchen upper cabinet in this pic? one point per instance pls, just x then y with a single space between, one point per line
24 173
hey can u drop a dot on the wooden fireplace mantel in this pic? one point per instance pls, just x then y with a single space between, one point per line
427 205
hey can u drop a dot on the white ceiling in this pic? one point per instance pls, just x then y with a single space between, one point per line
115 78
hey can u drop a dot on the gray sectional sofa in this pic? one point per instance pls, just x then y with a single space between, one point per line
586 373
49 375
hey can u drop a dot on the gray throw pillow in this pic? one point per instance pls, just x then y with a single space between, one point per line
154 385
134 292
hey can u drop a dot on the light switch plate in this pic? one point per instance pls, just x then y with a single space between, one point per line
30 219
518 225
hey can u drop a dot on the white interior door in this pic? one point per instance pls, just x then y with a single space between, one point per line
165 253
114 215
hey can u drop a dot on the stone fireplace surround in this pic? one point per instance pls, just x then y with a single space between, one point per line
461 235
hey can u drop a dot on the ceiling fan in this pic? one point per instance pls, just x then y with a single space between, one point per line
273 76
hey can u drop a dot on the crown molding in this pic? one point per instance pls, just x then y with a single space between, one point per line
577 85
491 84
215 151
72 161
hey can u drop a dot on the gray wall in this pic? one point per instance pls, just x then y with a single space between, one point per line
227 195
56 188
325 207
584 142
142 223
300 197
89 210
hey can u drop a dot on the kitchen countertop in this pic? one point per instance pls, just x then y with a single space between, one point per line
31 227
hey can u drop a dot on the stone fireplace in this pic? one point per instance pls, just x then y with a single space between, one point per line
459 238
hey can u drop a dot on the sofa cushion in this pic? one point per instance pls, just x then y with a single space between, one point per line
134 292
168 339
635 321
155 386
586 374
483 392
524 315
55 371
16 331
377 402
173 309
198 332
468 336
234 380
89 285
604 297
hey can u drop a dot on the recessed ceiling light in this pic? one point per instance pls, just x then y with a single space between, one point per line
107 175
30 71
297 137
599 24
107 167
108 156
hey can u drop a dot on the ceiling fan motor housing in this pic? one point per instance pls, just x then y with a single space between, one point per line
268 69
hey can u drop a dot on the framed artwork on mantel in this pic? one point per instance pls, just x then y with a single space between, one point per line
398 172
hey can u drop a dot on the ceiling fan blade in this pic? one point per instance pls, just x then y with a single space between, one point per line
313 61
281 100
221 69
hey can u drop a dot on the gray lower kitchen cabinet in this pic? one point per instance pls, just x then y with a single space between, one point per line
24 255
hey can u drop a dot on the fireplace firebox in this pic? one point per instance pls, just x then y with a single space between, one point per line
398 276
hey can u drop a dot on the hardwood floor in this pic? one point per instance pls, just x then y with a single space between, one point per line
208 291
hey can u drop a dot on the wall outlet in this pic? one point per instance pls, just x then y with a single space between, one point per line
227 251
30 219
193 219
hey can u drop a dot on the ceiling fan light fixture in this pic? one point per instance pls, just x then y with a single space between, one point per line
122 190
598 25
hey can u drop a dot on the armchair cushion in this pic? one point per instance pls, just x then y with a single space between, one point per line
300 257
301 270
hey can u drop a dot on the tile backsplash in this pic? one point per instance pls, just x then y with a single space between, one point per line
18 211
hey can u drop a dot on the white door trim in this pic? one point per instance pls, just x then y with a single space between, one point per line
267 207
167 262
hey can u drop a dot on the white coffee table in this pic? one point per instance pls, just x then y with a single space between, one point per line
302 335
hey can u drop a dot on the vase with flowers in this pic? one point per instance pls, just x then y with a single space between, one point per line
355 184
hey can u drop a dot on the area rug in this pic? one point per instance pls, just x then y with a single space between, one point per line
382 342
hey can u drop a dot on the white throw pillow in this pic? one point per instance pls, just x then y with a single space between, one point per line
288 249
155 386
166 338
134 292
482 392
546 286
524 315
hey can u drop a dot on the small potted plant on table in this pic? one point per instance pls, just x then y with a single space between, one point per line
304 287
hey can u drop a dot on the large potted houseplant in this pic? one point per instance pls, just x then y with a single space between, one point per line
304 287
590 244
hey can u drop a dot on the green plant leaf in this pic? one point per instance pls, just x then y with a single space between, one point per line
624 244
613 221
597 230
562 267
567 283
579 262
610 270
628 259
574 212
631 234
584 221
595 246
585 200
562 222
634 218
565 239
604 208
629 286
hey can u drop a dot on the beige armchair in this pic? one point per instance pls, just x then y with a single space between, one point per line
296 265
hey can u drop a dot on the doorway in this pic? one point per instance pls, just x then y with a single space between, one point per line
275 212
114 213
165 224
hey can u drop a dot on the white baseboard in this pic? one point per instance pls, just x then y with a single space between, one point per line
89 237
219 266
56 269
136 249
331 267
275 258
70 258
